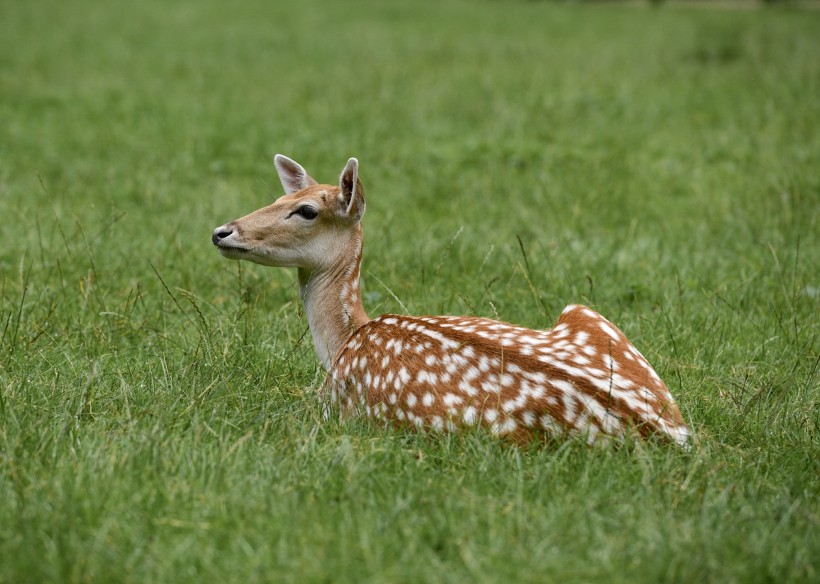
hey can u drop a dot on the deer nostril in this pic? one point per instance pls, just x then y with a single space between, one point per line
220 233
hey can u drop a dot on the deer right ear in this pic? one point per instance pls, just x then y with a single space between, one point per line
351 193
293 176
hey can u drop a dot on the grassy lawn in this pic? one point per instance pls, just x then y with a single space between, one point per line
158 416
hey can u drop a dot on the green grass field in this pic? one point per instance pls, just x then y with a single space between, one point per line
158 416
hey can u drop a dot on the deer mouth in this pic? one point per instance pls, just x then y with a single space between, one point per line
232 251
225 239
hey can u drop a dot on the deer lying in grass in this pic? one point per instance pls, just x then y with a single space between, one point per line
444 372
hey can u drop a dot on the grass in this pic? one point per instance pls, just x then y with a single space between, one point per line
158 419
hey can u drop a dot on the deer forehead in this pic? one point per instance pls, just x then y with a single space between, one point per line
320 197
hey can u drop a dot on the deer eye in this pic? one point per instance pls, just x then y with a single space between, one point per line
306 212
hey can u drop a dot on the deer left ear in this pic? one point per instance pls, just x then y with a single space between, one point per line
294 178
351 195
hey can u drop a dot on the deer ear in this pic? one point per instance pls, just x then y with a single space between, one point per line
351 195
293 176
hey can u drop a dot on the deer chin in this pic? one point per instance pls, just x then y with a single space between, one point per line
234 253
273 258
254 255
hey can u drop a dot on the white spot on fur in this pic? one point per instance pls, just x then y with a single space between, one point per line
452 399
608 330
547 423
509 425
467 388
469 415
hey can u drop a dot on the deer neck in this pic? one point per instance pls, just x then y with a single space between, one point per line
332 300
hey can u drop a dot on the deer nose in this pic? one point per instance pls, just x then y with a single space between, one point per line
221 233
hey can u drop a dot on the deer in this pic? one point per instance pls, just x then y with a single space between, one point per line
445 373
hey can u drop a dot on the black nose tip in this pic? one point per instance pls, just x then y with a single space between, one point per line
221 233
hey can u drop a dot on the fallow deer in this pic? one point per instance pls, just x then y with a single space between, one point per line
444 372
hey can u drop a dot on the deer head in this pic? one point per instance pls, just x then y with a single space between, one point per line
307 228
